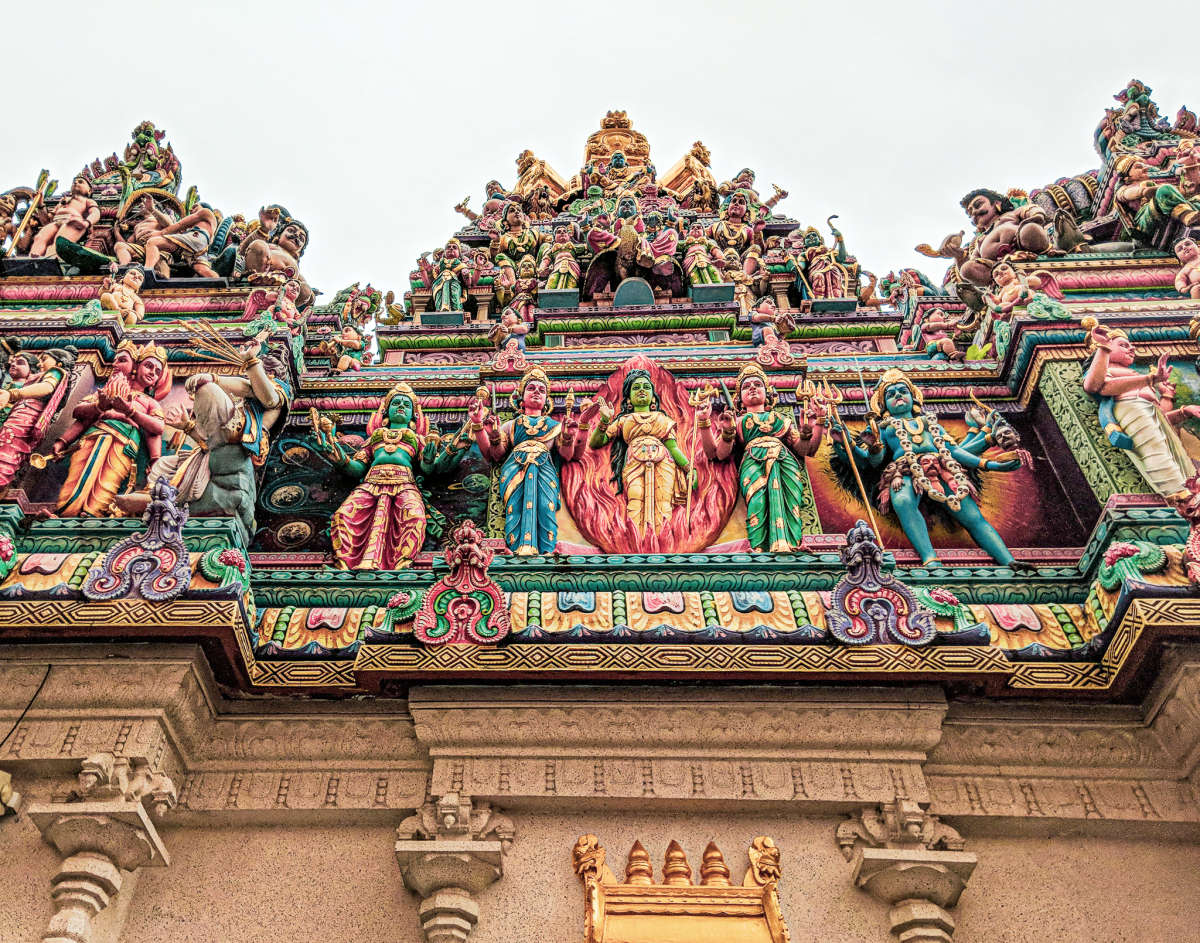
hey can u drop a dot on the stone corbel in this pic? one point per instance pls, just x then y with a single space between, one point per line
449 852
105 828
906 858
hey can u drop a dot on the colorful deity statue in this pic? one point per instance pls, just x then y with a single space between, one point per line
743 284
1016 290
663 240
733 229
529 485
768 325
119 431
1137 410
272 255
744 181
1149 204
944 336
773 451
1006 227
223 438
19 367
600 233
559 262
1187 168
648 467
924 463
448 277
822 270
185 241
381 525
517 238
123 297
510 329
73 216
345 349
517 288
702 258
1187 279
31 406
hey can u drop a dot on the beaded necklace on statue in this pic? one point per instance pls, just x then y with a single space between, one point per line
961 487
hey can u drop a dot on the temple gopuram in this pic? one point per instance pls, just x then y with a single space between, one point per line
646 568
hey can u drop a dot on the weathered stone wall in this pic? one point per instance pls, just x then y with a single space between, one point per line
1083 819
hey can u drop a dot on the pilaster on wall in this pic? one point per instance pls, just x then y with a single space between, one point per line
820 748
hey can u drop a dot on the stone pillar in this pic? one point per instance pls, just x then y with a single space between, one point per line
102 831
906 858
449 852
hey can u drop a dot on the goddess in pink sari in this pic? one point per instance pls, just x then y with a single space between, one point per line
381 525
33 406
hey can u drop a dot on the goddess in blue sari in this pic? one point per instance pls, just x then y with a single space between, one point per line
529 484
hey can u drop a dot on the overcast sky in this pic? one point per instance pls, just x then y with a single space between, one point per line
369 121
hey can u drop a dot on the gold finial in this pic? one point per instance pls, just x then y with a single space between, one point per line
714 872
676 870
637 869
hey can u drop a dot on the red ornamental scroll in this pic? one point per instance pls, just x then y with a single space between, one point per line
600 512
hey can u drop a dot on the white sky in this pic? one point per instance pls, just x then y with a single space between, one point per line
369 121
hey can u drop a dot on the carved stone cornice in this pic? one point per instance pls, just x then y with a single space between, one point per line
817 746
232 758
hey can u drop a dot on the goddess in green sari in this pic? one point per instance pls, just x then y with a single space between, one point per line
773 449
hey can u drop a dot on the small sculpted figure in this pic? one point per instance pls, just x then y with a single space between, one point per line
73 216
119 430
272 256
924 463
733 230
773 450
447 277
942 335
224 438
529 485
1151 204
662 240
1015 290
510 329
517 238
283 309
600 235
742 283
1187 279
136 229
381 525
123 297
648 466
559 263
1137 410
702 258
186 241
345 349
769 325
1187 167
517 288
31 406
1005 228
